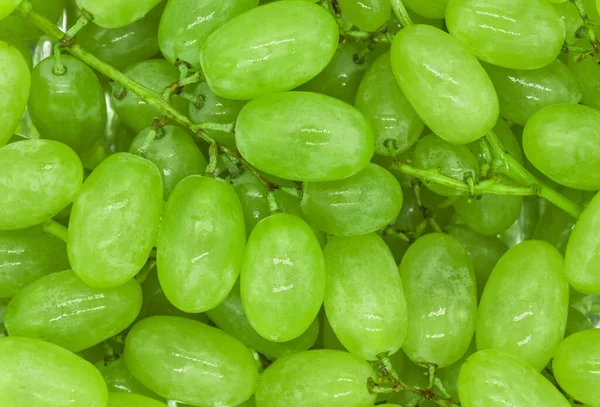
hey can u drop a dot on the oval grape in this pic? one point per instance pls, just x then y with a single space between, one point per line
117 13
433 9
367 15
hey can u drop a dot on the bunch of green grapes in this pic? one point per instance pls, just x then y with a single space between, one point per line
298 203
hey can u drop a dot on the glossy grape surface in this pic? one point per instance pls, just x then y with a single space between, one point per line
367 15
117 13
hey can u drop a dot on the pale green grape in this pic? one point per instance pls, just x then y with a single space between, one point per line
588 74
367 15
563 142
119 378
62 309
21 45
231 318
316 378
508 33
34 373
575 366
582 256
7 7
492 378
174 153
191 362
522 92
26 255
484 251
434 9
294 41
15 83
444 83
364 298
132 400
117 13
282 281
186 24
304 136
18 26
455 161
441 294
396 124
360 204
114 221
38 179
524 306
201 243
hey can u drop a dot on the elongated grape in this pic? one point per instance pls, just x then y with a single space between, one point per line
493 378
434 9
364 298
69 108
522 92
316 378
114 221
524 306
201 243
441 294
175 155
575 365
231 318
117 13
508 33
191 362
563 142
132 400
185 25
369 15
396 124
582 255
119 379
294 42
283 277
54 377
62 309
588 74
15 82
360 204
20 27
7 7
304 136
38 178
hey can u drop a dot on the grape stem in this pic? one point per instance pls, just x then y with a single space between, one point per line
589 28
401 13
55 229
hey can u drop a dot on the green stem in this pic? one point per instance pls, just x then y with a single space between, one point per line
213 156
150 137
226 128
56 229
273 205
59 68
401 13
589 24
81 22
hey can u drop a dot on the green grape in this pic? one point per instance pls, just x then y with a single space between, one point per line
117 13
576 322
20 27
69 108
525 225
191 362
304 136
396 124
341 78
34 373
523 309
282 281
155 74
330 339
114 221
444 83
231 318
174 153
121 47
186 24
508 33
294 41
20 45
455 161
367 15
38 178
555 225
408 220
26 255
523 92
434 9
215 109
492 378
119 379
484 251
132 400
359 204
7 7
201 243
316 378
62 309
581 258
575 366
15 82
569 14
588 74
94 155
364 298
441 294
507 138
563 142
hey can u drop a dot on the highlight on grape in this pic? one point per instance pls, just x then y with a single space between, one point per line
299 203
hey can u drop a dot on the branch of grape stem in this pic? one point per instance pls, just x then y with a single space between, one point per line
588 30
